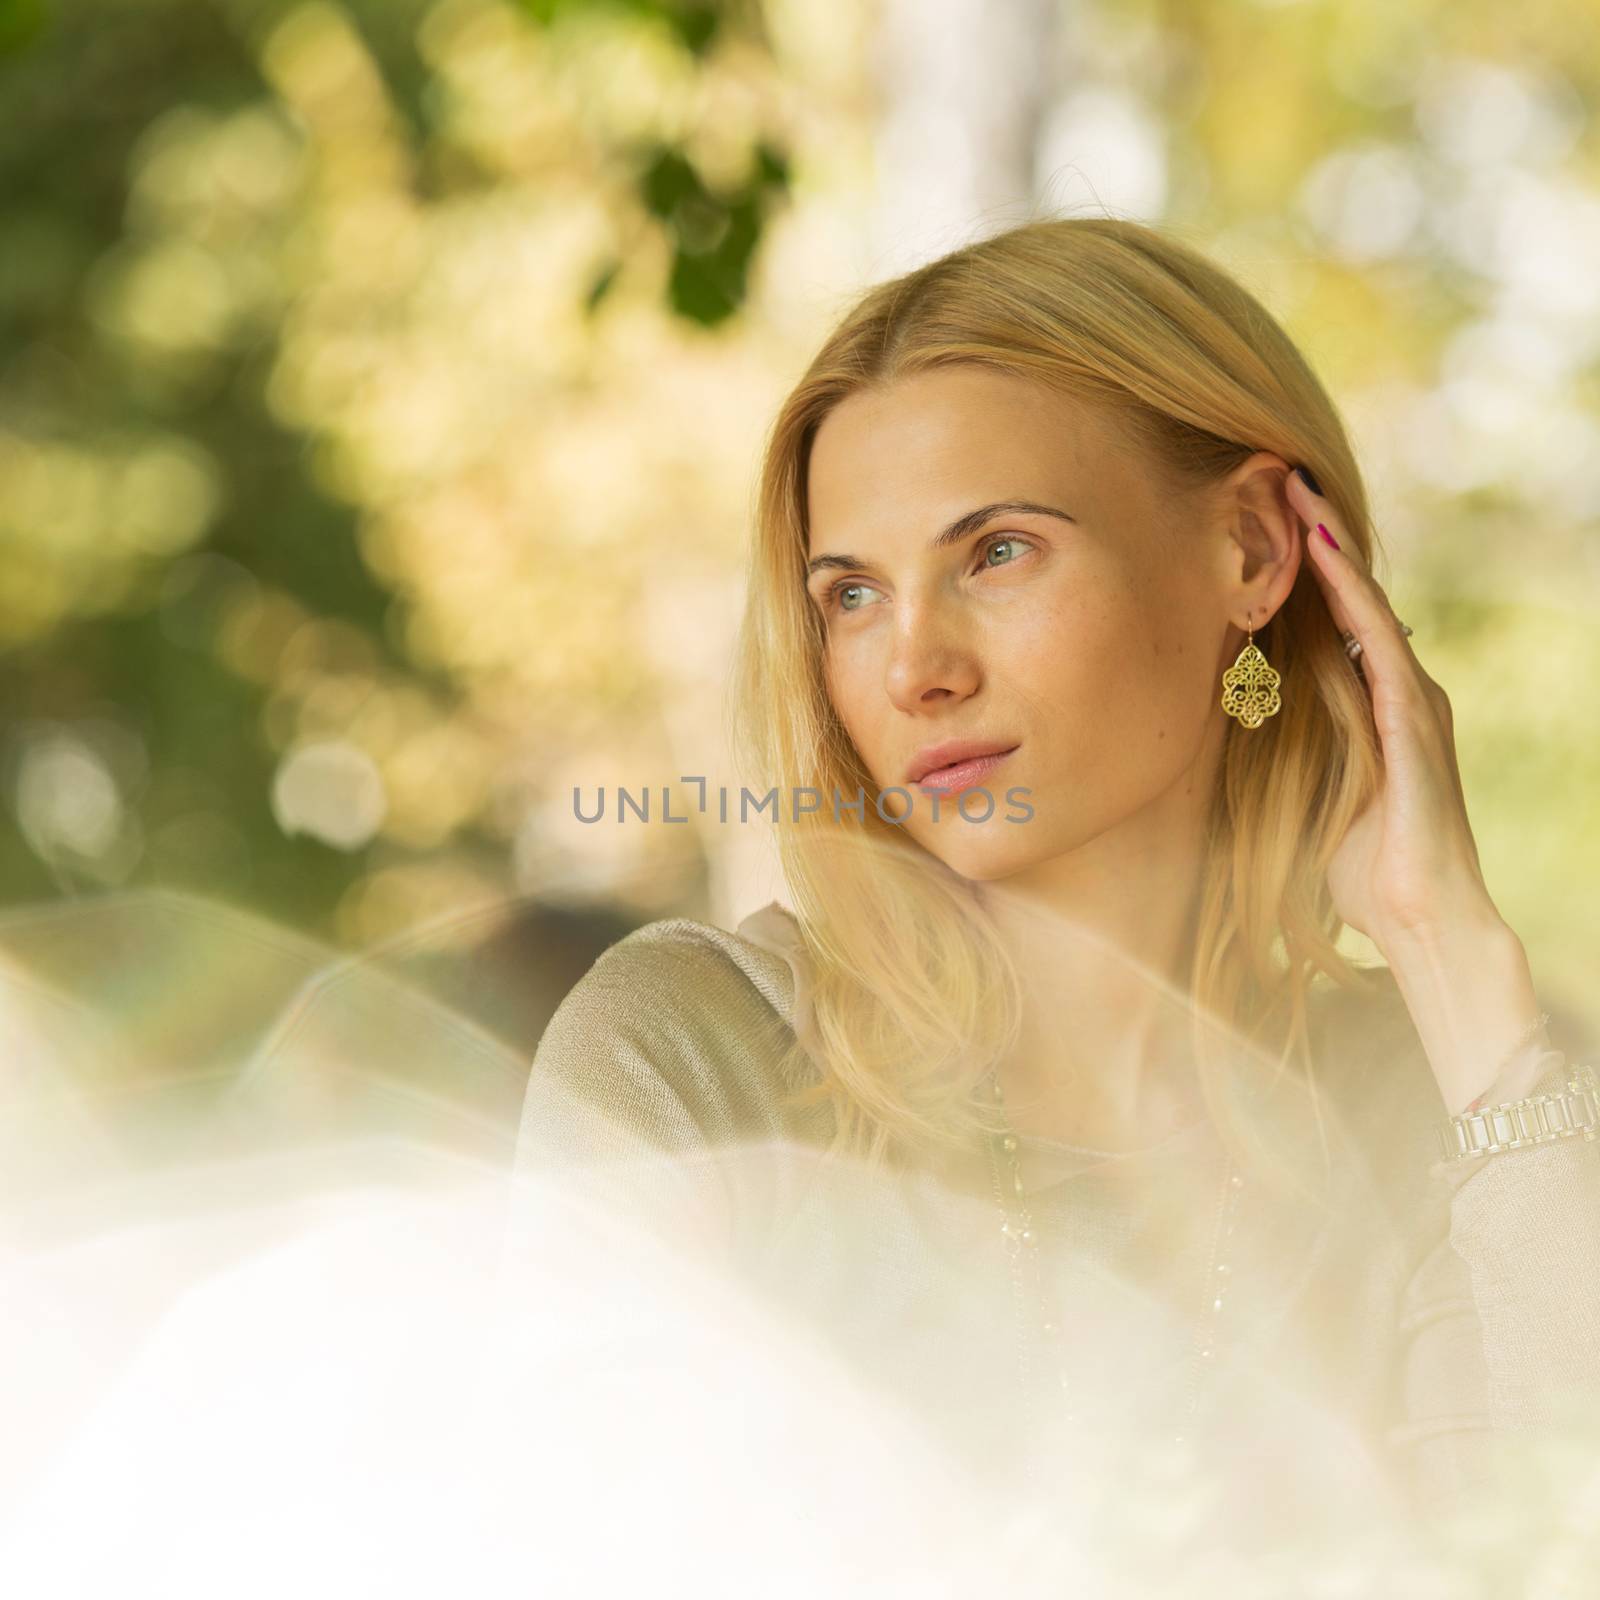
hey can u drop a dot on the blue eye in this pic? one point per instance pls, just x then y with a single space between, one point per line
996 544
839 590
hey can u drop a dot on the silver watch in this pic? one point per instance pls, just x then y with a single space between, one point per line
1569 1108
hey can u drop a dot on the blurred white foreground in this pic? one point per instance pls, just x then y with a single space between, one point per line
275 1319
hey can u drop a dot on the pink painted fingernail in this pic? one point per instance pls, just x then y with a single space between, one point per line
1328 536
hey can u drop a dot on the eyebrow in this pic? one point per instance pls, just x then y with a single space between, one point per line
963 527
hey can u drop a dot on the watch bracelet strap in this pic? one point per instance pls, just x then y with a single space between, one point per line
1564 1104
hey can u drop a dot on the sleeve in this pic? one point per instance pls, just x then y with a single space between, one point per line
1499 1328
650 1068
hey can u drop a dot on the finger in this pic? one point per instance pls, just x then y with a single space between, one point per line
1355 598
1312 509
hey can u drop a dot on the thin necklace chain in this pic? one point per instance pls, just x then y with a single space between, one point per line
1021 1238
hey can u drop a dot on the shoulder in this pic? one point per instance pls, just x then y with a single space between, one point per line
682 971
678 1034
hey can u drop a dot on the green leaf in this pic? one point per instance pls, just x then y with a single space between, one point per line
600 287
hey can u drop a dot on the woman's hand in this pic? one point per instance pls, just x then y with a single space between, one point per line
1407 874
1409 864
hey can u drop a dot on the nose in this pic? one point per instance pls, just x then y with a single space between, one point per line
931 658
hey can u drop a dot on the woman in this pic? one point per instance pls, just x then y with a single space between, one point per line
1059 1092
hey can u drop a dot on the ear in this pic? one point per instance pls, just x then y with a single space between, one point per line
1265 531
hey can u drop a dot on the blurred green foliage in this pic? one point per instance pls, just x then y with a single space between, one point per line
159 203
696 22
20 22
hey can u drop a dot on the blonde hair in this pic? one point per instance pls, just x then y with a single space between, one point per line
915 997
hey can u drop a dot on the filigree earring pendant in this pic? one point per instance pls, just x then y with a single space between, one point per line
1250 685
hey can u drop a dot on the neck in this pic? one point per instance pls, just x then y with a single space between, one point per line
1103 940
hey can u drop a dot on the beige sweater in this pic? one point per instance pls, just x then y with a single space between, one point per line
1385 1358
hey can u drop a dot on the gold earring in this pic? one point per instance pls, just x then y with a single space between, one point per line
1250 685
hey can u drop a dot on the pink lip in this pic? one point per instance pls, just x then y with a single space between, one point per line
963 774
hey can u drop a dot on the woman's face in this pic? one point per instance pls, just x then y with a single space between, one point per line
1085 629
